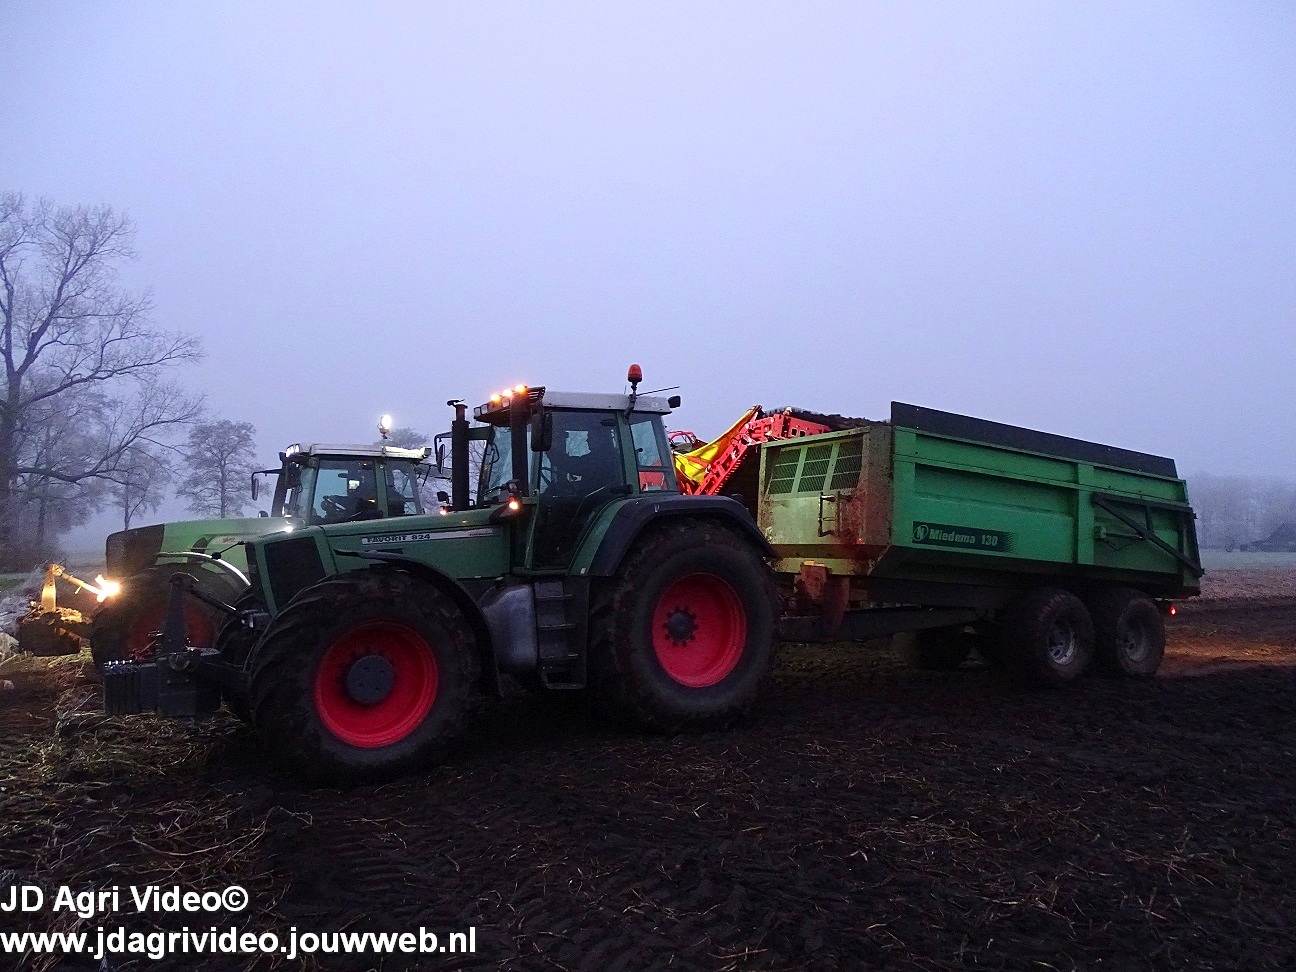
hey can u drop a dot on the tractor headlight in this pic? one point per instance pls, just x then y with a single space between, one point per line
107 588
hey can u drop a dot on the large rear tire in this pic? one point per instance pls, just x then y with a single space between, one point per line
364 676
682 637
1129 632
123 628
1048 638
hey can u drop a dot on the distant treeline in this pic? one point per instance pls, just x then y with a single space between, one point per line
1233 510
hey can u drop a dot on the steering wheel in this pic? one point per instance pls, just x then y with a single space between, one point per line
333 507
368 511
555 478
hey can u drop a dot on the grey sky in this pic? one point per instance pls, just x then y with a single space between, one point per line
1078 217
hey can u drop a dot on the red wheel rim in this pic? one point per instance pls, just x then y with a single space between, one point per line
413 689
699 630
199 629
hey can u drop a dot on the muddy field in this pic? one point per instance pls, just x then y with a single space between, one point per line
870 816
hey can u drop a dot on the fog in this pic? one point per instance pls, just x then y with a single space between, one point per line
1075 217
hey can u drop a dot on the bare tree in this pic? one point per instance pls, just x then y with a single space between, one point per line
45 506
145 474
221 459
405 437
78 348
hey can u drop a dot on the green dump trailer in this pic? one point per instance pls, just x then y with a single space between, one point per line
578 566
948 511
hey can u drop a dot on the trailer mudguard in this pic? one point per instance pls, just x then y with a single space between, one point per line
601 552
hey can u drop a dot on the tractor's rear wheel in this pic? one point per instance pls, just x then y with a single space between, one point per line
123 628
1048 638
1129 632
683 635
364 676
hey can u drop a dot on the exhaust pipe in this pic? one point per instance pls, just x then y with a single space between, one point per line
459 456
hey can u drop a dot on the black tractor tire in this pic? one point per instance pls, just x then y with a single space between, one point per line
1048 638
123 627
306 705
235 643
1129 632
941 649
682 637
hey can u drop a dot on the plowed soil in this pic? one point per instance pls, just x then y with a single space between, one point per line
868 816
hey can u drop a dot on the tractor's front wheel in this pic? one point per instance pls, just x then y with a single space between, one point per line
364 676
683 635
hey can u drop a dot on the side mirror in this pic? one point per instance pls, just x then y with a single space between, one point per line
263 513
674 401
440 456
443 496
256 488
541 431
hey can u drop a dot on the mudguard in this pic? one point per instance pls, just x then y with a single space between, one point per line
461 595
603 550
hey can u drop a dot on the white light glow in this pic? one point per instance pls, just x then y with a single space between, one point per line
107 588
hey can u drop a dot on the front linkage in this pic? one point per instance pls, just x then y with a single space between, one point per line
180 680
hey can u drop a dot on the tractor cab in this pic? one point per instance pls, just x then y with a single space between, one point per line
320 484
568 455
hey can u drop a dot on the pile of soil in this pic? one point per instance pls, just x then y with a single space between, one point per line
868 816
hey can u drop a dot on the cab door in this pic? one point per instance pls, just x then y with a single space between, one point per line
582 471
401 496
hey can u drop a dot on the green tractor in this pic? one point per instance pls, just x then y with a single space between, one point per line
316 484
359 646
580 564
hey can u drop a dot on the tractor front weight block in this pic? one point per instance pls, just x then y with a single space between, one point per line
160 686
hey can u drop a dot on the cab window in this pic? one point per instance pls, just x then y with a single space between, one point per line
402 489
585 455
345 490
497 466
292 491
651 454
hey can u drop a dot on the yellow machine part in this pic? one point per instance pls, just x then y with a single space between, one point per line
692 466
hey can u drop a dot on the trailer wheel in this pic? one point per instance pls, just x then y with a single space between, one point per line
683 635
1129 632
1048 638
123 628
941 649
364 676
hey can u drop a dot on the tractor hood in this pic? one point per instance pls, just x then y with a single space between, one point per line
130 551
